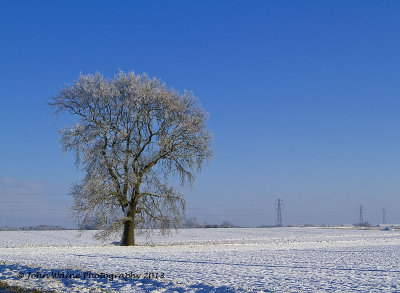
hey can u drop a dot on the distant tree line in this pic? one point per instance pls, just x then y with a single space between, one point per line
34 228
192 223
363 224
93 223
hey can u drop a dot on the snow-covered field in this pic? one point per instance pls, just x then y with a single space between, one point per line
206 260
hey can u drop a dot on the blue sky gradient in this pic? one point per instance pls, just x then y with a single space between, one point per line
303 99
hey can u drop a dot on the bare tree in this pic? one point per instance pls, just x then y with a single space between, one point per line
131 135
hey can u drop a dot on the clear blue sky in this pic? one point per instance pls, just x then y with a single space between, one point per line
303 96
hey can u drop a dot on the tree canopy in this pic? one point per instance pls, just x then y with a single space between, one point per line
130 135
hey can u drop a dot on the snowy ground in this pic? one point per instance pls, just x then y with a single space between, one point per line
206 260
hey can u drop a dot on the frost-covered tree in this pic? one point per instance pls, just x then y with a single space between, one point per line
131 135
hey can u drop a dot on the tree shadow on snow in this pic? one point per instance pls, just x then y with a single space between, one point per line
71 282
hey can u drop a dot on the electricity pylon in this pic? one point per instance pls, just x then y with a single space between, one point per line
361 211
278 209
383 216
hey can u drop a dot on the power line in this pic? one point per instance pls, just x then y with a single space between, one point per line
33 209
32 194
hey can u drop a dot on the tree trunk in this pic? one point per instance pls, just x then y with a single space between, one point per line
128 237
